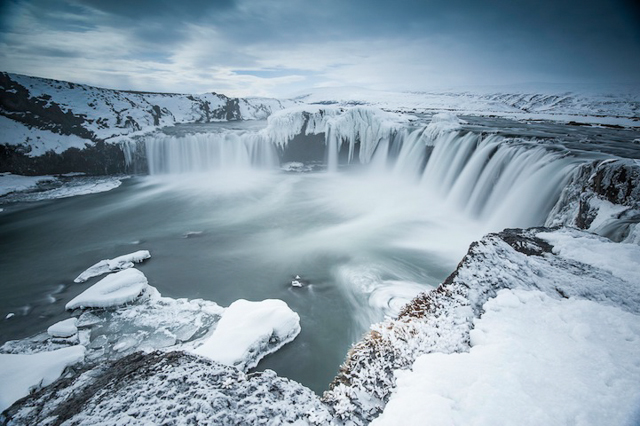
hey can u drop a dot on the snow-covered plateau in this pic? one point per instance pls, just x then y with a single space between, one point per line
372 192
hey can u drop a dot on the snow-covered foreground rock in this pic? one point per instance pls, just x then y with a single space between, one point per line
249 331
534 326
171 388
19 373
561 268
534 360
122 314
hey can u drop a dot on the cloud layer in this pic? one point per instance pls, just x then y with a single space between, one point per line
275 48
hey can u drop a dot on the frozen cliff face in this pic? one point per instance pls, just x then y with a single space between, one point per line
602 197
563 264
170 388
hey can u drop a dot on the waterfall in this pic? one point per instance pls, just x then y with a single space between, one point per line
204 152
502 182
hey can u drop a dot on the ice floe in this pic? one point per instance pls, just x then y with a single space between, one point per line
64 329
19 373
116 264
113 290
248 331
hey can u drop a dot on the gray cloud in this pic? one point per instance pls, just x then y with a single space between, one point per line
269 48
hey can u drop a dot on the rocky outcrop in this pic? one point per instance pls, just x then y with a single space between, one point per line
441 320
602 197
168 388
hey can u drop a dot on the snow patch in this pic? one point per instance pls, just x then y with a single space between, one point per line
621 260
21 373
248 331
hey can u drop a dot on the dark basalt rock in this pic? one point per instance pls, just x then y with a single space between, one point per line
98 159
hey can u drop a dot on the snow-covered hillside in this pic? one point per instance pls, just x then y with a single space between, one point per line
532 103
40 115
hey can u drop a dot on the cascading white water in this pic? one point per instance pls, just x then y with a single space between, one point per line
501 182
203 152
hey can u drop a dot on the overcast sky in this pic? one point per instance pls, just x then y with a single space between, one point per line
279 47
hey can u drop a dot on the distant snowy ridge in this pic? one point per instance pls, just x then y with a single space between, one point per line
617 107
39 115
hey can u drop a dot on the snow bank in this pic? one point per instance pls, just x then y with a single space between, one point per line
621 260
125 261
113 290
64 329
21 373
248 331
534 360
14 183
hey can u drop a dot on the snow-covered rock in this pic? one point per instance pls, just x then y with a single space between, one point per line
173 387
248 331
119 263
602 197
64 329
534 359
114 290
441 321
19 373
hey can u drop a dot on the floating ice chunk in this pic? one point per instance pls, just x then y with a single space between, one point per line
116 264
113 290
248 331
20 373
64 329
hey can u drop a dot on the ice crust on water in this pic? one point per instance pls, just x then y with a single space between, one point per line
533 360
15 183
64 329
19 373
248 331
116 264
113 290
